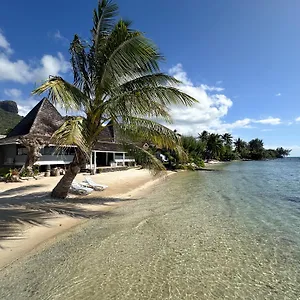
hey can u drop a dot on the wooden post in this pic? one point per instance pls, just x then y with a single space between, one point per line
95 162
91 161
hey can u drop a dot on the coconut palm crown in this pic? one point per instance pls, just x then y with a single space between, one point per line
117 80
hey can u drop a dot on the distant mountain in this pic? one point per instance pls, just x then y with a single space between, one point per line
9 117
9 106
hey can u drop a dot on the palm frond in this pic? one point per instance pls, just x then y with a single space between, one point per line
139 129
72 133
104 20
148 101
126 52
145 80
130 104
80 64
144 157
63 93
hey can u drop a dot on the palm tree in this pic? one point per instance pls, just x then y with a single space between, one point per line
203 136
227 139
256 147
214 145
239 145
116 80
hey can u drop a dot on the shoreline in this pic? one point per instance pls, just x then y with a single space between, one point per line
36 237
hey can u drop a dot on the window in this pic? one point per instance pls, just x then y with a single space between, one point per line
22 151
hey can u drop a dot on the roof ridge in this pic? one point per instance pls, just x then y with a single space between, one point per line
37 113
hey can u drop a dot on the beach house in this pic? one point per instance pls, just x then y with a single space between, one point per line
40 124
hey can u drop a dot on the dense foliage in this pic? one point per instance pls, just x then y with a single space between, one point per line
208 146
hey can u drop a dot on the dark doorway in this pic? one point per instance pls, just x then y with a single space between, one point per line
101 159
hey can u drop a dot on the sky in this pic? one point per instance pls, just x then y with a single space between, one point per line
239 59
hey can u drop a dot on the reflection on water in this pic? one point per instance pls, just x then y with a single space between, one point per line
232 234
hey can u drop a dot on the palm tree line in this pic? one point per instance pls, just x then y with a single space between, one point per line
208 146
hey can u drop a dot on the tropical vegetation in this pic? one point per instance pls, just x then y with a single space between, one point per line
117 81
208 146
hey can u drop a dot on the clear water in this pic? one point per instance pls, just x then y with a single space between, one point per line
231 234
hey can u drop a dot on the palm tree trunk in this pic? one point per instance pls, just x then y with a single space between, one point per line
34 146
62 188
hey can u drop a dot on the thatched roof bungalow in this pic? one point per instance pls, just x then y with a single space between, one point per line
40 124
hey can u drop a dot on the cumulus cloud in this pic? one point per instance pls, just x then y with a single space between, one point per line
206 114
278 95
23 72
297 119
13 93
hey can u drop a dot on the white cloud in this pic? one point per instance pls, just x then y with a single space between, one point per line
26 105
278 95
23 72
211 88
59 37
269 121
4 44
13 93
297 119
209 112
205 115
219 82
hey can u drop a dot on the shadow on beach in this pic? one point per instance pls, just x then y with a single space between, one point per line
36 208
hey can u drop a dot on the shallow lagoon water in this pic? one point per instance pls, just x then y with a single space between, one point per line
229 234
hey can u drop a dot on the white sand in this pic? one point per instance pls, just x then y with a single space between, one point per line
122 185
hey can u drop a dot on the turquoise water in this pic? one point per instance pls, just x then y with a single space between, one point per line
229 234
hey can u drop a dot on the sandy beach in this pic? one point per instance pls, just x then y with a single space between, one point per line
30 220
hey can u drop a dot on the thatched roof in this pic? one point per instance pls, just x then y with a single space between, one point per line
42 121
107 134
108 146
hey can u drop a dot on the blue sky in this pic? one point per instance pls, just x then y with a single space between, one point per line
240 59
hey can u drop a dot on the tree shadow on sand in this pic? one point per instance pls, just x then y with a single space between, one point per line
36 208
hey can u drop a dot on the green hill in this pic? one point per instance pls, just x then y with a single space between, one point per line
8 120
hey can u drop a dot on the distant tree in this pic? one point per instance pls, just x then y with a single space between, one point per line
256 147
227 139
281 152
239 145
203 136
214 146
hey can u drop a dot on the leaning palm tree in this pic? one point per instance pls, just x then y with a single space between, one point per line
117 80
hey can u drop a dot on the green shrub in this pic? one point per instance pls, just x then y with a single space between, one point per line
4 171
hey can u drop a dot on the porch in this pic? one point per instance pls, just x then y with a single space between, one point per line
108 159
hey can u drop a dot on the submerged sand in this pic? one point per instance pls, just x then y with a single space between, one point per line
30 219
